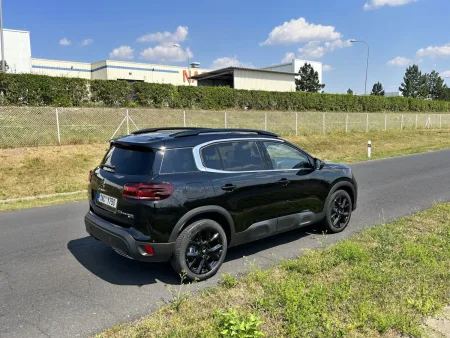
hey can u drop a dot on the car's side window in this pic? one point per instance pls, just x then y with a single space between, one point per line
233 156
284 156
178 161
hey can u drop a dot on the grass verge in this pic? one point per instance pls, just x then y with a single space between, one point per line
52 169
382 282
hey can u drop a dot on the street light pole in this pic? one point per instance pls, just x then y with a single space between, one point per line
189 62
1 37
367 66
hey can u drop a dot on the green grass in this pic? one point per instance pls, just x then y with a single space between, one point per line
42 202
382 282
45 170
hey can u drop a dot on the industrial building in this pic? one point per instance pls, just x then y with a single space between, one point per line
274 78
248 78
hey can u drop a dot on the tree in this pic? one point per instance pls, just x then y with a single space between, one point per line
436 86
6 67
414 83
377 89
350 92
309 80
446 95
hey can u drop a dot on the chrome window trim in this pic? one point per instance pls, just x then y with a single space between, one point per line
198 158
163 157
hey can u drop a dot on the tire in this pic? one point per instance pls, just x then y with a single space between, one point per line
338 212
200 250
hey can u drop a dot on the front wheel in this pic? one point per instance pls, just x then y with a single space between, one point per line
338 212
200 250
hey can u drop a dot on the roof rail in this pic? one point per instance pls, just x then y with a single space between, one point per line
153 130
198 131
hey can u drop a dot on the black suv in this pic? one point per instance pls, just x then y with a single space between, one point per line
187 195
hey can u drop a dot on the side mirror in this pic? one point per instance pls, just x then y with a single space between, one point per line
318 164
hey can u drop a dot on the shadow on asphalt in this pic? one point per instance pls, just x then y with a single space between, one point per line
103 262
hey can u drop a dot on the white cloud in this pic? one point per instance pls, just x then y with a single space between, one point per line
288 57
123 52
312 50
178 36
446 73
165 53
327 68
65 42
299 30
317 50
87 42
434 51
226 61
399 61
374 4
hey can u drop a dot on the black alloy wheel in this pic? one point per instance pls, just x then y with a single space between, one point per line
200 250
338 212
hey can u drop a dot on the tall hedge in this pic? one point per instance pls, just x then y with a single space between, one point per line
40 90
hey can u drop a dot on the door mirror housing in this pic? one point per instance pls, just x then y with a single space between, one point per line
318 164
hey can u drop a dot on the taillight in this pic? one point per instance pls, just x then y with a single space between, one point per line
91 173
148 191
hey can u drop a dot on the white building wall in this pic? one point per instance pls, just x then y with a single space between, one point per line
261 80
61 68
17 50
295 66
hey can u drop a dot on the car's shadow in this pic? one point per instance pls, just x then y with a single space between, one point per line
103 262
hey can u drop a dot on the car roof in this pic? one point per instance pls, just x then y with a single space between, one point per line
179 137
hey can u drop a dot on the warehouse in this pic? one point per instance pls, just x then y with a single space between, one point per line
248 78
295 65
274 78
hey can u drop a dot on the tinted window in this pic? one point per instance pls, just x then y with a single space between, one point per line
284 156
233 156
130 161
178 161
211 158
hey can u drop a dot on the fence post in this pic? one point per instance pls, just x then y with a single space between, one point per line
128 124
265 121
346 123
401 123
385 122
296 124
416 121
226 120
323 124
184 118
440 121
429 121
57 126
367 123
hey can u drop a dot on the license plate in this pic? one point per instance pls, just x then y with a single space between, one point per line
107 200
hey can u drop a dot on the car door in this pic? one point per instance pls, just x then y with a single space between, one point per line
301 192
242 183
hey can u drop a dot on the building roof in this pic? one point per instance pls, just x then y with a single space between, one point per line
230 70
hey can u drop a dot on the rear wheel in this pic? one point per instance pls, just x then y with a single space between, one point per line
338 211
200 250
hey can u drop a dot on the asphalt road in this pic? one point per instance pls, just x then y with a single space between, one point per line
55 281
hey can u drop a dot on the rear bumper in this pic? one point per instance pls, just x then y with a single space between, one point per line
121 240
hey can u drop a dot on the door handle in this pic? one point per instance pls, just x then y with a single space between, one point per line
283 181
229 187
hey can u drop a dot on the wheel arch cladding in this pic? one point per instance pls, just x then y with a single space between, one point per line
348 188
215 213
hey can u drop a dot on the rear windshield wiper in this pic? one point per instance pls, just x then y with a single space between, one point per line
108 167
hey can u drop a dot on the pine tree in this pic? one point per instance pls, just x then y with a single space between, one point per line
414 83
377 89
436 86
309 80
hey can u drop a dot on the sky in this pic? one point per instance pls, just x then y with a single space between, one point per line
246 33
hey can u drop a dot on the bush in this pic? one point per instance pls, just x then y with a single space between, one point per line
41 90
231 324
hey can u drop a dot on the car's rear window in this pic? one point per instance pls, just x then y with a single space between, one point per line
129 161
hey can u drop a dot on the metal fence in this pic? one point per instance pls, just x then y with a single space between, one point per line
34 126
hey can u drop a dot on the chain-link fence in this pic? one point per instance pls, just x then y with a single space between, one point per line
33 126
